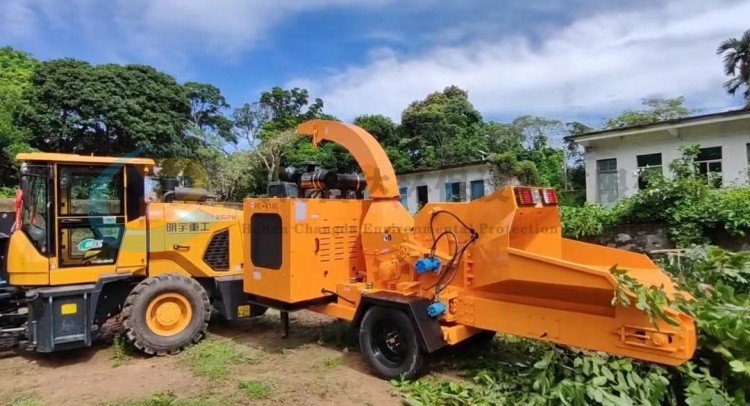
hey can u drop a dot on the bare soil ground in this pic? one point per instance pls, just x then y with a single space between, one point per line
249 363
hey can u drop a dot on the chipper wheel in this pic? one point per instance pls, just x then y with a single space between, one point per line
166 314
388 341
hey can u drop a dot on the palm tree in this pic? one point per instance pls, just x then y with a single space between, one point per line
737 63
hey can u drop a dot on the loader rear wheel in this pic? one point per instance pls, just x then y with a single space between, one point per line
389 343
166 314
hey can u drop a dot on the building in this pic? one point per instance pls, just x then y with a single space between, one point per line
456 183
616 160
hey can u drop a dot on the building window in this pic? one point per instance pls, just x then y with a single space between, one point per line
709 164
648 166
404 192
477 189
455 192
606 175
422 198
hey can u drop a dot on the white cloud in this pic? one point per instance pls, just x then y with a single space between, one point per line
148 30
599 63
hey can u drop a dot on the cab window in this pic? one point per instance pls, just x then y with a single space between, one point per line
91 190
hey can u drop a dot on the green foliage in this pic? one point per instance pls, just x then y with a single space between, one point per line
651 300
70 108
442 129
532 373
506 169
691 208
122 351
586 220
213 358
256 390
736 53
655 109
16 69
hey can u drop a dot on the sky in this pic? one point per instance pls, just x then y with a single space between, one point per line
572 59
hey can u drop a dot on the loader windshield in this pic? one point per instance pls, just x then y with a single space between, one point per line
34 212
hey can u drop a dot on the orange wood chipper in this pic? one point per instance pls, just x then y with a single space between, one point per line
412 285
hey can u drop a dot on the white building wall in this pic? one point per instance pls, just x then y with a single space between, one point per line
436 180
732 137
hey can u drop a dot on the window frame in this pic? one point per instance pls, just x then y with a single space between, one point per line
645 168
599 172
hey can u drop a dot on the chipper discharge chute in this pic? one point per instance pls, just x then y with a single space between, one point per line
412 285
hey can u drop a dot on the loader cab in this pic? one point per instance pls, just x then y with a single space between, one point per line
75 211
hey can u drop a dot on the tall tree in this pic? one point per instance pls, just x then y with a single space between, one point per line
655 109
287 108
736 53
16 68
444 128
106 110
208 124
386 132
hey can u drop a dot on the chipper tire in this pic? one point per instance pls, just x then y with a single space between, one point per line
389 343
166 314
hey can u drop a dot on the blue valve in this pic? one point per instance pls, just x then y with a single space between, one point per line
429 264
436 309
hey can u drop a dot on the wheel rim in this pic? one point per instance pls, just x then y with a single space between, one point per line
387 342
168 314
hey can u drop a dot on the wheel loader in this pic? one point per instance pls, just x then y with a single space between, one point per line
86 246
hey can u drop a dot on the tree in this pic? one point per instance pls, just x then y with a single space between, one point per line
285 108
387 134
444 128
73 106
233 178
16 68
208 124
271 152
737 63
502 137
656 109
249 120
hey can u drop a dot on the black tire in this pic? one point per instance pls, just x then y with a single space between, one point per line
134 314
389 343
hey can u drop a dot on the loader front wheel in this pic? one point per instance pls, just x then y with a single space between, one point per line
166 314
388 341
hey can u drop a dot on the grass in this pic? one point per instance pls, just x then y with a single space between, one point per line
25 399
212 358
206 398
333 362
122 351
256 390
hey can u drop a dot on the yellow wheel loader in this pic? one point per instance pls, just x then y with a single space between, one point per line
86 245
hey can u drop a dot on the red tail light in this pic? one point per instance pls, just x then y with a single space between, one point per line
549 198
525 196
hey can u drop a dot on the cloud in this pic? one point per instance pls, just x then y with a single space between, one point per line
601 62
146 30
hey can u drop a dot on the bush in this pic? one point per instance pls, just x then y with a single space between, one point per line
687 203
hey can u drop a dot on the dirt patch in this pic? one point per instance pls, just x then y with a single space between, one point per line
317 364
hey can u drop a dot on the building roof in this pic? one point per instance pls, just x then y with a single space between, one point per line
666 125
442 167
83 159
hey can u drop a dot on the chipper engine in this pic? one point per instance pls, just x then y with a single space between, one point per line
412 285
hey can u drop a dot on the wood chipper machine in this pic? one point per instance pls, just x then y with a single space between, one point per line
412 285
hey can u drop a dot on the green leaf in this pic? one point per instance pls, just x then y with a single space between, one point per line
599 380
607 373
737 366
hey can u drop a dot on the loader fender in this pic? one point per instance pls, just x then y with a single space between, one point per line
109 294
427 328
